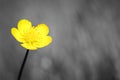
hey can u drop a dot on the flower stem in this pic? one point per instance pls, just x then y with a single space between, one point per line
22 66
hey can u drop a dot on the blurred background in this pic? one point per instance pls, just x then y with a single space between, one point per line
85 44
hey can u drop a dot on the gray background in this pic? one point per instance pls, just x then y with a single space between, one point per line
85 46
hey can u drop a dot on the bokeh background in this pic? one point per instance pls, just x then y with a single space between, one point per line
86 44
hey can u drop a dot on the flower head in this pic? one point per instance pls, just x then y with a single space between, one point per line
31 37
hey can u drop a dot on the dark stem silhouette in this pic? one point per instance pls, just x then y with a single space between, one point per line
22 66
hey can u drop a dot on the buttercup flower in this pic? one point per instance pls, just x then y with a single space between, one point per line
31 37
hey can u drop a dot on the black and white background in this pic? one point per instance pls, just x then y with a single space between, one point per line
86 40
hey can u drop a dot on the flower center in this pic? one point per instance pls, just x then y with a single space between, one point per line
30 37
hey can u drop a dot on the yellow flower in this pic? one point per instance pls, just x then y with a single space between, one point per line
31 37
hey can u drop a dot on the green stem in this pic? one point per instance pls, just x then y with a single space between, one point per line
22 66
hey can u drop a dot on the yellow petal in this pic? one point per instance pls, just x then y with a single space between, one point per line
43 42
24 25
16 34
42 29
28 46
